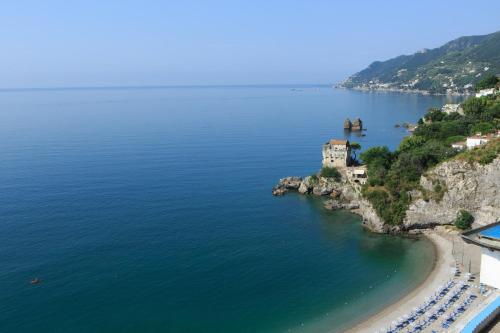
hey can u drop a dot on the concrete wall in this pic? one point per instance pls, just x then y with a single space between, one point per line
490 268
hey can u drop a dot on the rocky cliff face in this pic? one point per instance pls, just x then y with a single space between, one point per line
340 194
452 186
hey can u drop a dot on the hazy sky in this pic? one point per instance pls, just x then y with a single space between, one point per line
88 43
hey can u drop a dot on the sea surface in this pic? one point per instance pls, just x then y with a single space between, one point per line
150 210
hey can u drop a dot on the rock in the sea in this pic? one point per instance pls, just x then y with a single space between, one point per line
306 186
291 182
279 191
357 125
304 189
286 184
347 124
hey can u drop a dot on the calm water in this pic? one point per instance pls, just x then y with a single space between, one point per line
149 210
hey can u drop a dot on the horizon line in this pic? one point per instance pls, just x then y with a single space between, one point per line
118 87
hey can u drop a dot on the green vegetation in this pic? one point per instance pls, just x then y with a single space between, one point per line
392 176
464 220
490 81
464 61
313 180
327 172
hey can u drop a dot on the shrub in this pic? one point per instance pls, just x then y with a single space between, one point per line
456 138
313 179
474 106
434 114
328 172
377 155
482 127
464 220
411 142
489 81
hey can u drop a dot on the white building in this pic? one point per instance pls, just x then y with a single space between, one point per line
357 174
485 92
336 153
488 238
478 139
475 140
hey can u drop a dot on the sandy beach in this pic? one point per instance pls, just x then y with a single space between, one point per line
441 273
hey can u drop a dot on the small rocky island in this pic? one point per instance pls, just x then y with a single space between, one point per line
356 125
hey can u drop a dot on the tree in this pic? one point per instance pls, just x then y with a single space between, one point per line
411 142
434 114
482 128
474 106
464 220
489 81
355 146
378 155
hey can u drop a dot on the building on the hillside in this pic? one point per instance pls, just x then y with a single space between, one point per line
485 92
479 139
357 175
336 153
450 108
488 238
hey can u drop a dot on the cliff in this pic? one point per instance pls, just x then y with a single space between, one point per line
444 190
454 185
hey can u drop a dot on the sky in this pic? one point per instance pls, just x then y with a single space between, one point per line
133 43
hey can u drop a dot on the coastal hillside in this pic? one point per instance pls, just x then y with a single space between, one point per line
446 172
454 67
473 187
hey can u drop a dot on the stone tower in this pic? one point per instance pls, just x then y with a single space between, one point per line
336 153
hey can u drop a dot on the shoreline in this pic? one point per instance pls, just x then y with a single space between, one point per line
404 91
440 273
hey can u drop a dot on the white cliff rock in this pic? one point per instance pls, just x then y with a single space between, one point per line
456 185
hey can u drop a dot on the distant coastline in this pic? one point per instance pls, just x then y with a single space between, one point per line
400 90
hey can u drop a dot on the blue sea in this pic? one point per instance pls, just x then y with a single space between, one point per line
150 210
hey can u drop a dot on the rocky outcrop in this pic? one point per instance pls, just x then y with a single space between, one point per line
333 204
340 194
370 218
357 125
286 184
452 186
320 186
347 124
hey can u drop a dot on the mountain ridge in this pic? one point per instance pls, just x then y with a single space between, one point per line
454 67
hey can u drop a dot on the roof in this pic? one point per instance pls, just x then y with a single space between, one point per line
487 236
492 233
339 142
482 317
